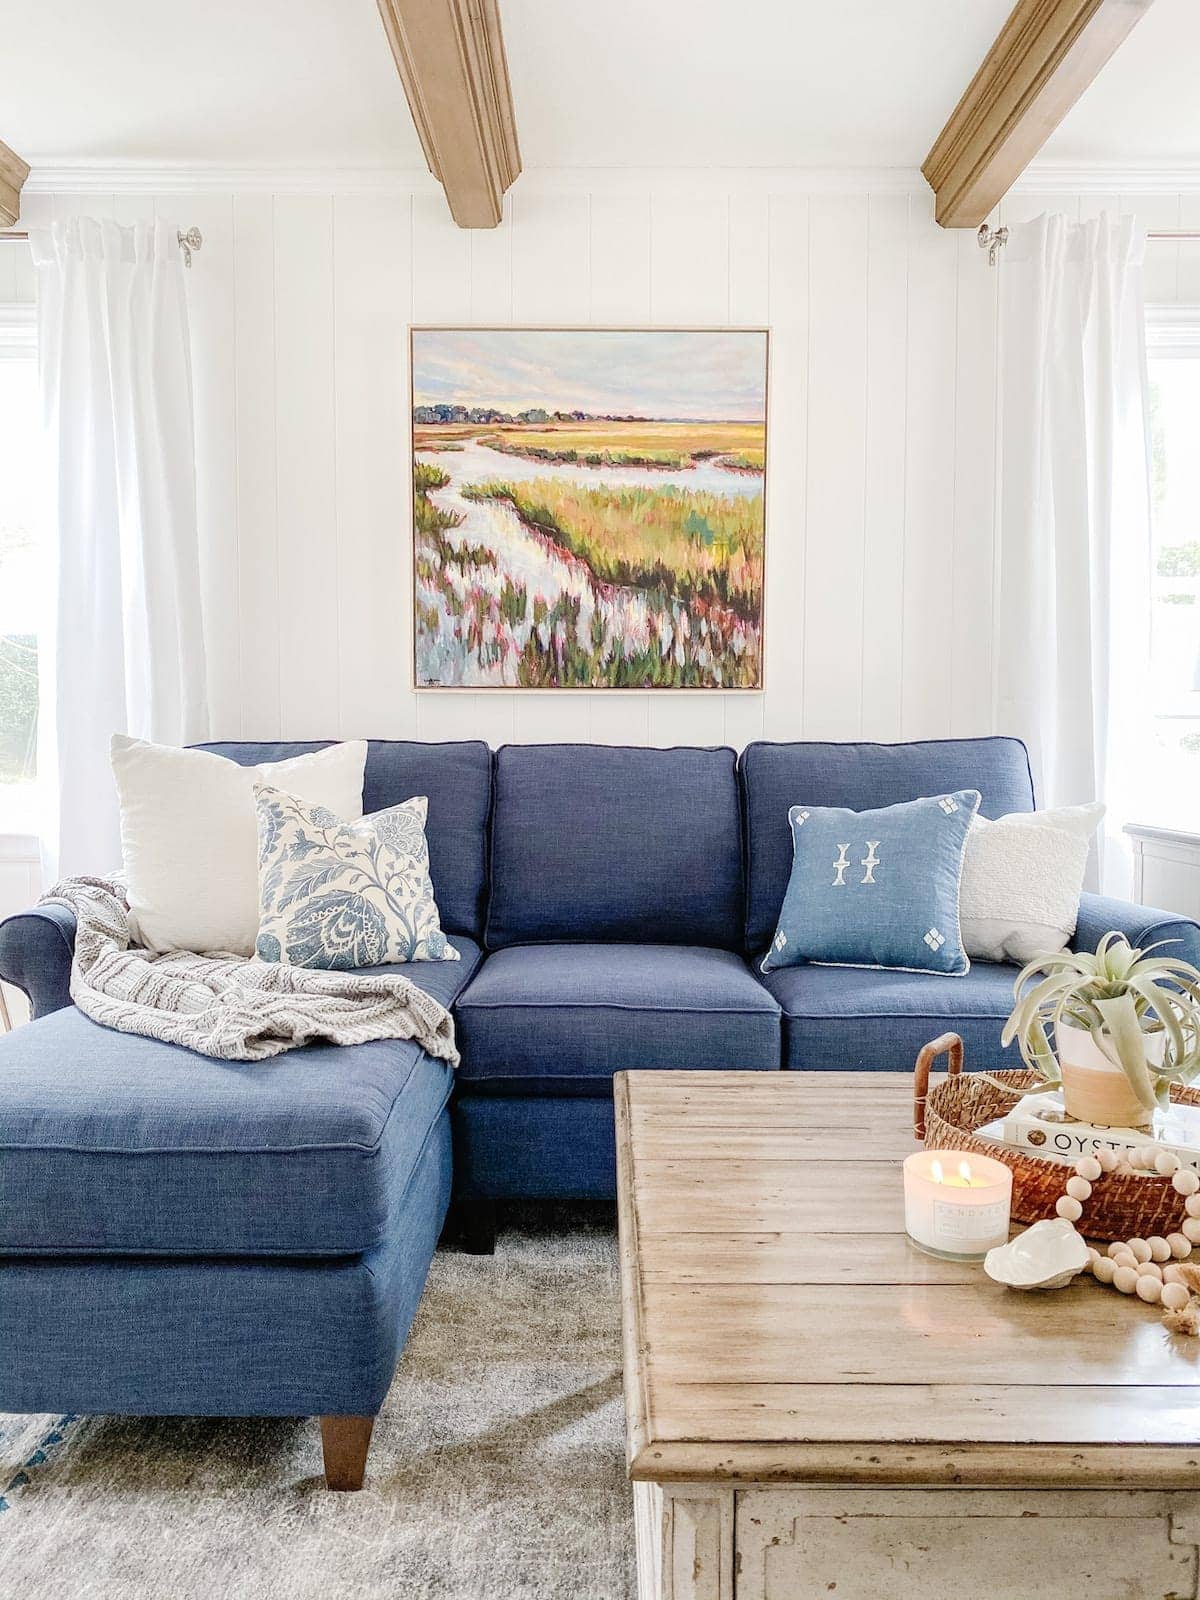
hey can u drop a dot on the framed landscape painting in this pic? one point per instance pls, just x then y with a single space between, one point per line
588 507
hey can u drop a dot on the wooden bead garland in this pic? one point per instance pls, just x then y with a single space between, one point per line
1151 1269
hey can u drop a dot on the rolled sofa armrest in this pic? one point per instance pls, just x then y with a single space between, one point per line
1174 935
36 947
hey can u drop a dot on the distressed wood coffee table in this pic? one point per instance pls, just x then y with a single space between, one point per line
816 1409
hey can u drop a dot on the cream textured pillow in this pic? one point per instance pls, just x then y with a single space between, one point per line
189 835
1021 881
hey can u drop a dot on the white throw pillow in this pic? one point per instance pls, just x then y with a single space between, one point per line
1021 881
189 835
340 895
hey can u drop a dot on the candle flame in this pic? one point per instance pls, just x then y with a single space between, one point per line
964 1171
935 1171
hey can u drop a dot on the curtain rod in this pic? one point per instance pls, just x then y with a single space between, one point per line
189 241
994 239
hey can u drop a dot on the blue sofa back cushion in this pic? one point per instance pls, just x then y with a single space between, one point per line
860 777
456 778
595 842
876 888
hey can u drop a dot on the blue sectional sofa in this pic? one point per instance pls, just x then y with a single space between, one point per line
180 1235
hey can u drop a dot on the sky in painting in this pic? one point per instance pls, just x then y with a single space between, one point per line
693 375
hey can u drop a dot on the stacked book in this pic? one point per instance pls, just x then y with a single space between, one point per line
1039 1125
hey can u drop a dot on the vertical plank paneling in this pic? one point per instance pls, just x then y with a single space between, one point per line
619 251
783 712
257 512
447 715
371 308
837 427
550 717
310 643
882 439
491 272
928 664
212 310
689 260
974 490
441 263
550 258
883 491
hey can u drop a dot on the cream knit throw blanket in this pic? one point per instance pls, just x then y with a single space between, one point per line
228 1006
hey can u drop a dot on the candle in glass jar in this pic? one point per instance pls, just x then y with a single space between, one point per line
956 1205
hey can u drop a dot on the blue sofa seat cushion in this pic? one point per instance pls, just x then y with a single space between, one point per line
111 1143
860 777
595 842
562 1018
844 1019
456 779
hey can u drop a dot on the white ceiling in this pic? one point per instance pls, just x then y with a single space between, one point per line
597 83
1144 106
235 82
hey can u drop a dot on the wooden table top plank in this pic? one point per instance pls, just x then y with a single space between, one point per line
779 1325
900 1413
794 1258
926 1333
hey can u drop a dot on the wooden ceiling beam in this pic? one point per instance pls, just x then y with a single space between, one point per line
1044 57
13 172
450 56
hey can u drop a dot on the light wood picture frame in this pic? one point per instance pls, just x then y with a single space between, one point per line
589 507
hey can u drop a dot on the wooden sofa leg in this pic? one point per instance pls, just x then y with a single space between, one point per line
477 1226
344 1443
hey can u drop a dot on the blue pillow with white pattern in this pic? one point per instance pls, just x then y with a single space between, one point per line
876 888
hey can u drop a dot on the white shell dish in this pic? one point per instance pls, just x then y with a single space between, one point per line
1046 1256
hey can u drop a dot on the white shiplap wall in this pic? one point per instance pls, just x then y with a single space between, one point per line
879 543
882 451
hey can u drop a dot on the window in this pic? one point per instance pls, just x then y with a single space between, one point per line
1174 352
22 585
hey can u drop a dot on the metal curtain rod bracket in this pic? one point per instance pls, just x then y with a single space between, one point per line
188 242
993 239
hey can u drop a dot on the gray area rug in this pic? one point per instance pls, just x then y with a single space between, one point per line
496 1470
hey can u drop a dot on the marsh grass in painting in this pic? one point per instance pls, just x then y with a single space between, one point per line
588 508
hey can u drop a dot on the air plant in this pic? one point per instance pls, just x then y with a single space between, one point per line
1121 996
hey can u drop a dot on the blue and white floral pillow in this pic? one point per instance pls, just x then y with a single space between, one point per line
340 894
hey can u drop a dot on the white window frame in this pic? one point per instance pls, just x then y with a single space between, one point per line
1172 333
1173 330
18 332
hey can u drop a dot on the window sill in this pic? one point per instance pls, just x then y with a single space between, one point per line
19 847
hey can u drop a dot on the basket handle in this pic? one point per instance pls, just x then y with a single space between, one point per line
948 1044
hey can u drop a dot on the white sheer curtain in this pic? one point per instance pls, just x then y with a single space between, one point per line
1074 581
128 654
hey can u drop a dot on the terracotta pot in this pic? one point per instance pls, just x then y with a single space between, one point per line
1095 1089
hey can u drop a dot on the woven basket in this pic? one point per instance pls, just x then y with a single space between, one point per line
946 1117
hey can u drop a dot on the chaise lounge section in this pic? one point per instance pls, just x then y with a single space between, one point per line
184 1236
